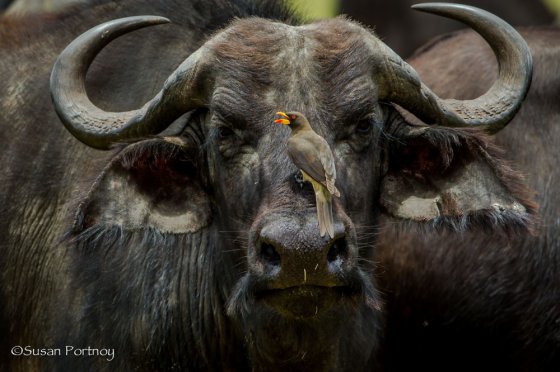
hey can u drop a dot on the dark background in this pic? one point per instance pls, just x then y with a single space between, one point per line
405 29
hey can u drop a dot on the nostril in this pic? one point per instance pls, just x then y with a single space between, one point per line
337 250
269 254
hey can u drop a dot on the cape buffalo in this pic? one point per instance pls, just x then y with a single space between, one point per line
192 243
475 301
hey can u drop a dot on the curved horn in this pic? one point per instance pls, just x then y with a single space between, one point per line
98 128
491 111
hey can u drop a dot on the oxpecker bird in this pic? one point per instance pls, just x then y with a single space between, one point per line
313 156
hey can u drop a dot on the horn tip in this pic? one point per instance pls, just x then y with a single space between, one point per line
159 20
140 21
434 7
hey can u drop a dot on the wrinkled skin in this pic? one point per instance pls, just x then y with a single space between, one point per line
199 248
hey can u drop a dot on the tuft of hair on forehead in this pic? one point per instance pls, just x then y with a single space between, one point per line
251 48
339 32
258 37
253 38
341 46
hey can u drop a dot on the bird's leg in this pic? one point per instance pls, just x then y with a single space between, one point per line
299 179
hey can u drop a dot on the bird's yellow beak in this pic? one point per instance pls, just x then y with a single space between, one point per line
285 121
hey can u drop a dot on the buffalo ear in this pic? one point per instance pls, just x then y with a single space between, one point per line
453 177
152 184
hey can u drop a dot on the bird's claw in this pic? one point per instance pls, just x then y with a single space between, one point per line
298 177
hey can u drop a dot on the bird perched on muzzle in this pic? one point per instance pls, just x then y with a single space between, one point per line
313 156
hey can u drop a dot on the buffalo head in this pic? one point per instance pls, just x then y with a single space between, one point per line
223 190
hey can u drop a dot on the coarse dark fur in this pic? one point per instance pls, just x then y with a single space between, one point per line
80 268
475 301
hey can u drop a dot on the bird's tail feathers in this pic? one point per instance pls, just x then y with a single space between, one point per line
324 212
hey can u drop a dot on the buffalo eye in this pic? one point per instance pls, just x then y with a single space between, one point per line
227 140
364 126
224 133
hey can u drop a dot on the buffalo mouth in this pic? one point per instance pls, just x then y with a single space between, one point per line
307 301
311 301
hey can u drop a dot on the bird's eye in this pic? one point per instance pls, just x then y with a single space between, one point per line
364 126
293 117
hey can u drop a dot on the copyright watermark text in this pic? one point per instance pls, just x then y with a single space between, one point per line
27 351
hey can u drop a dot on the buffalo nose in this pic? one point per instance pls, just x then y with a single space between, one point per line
288 253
